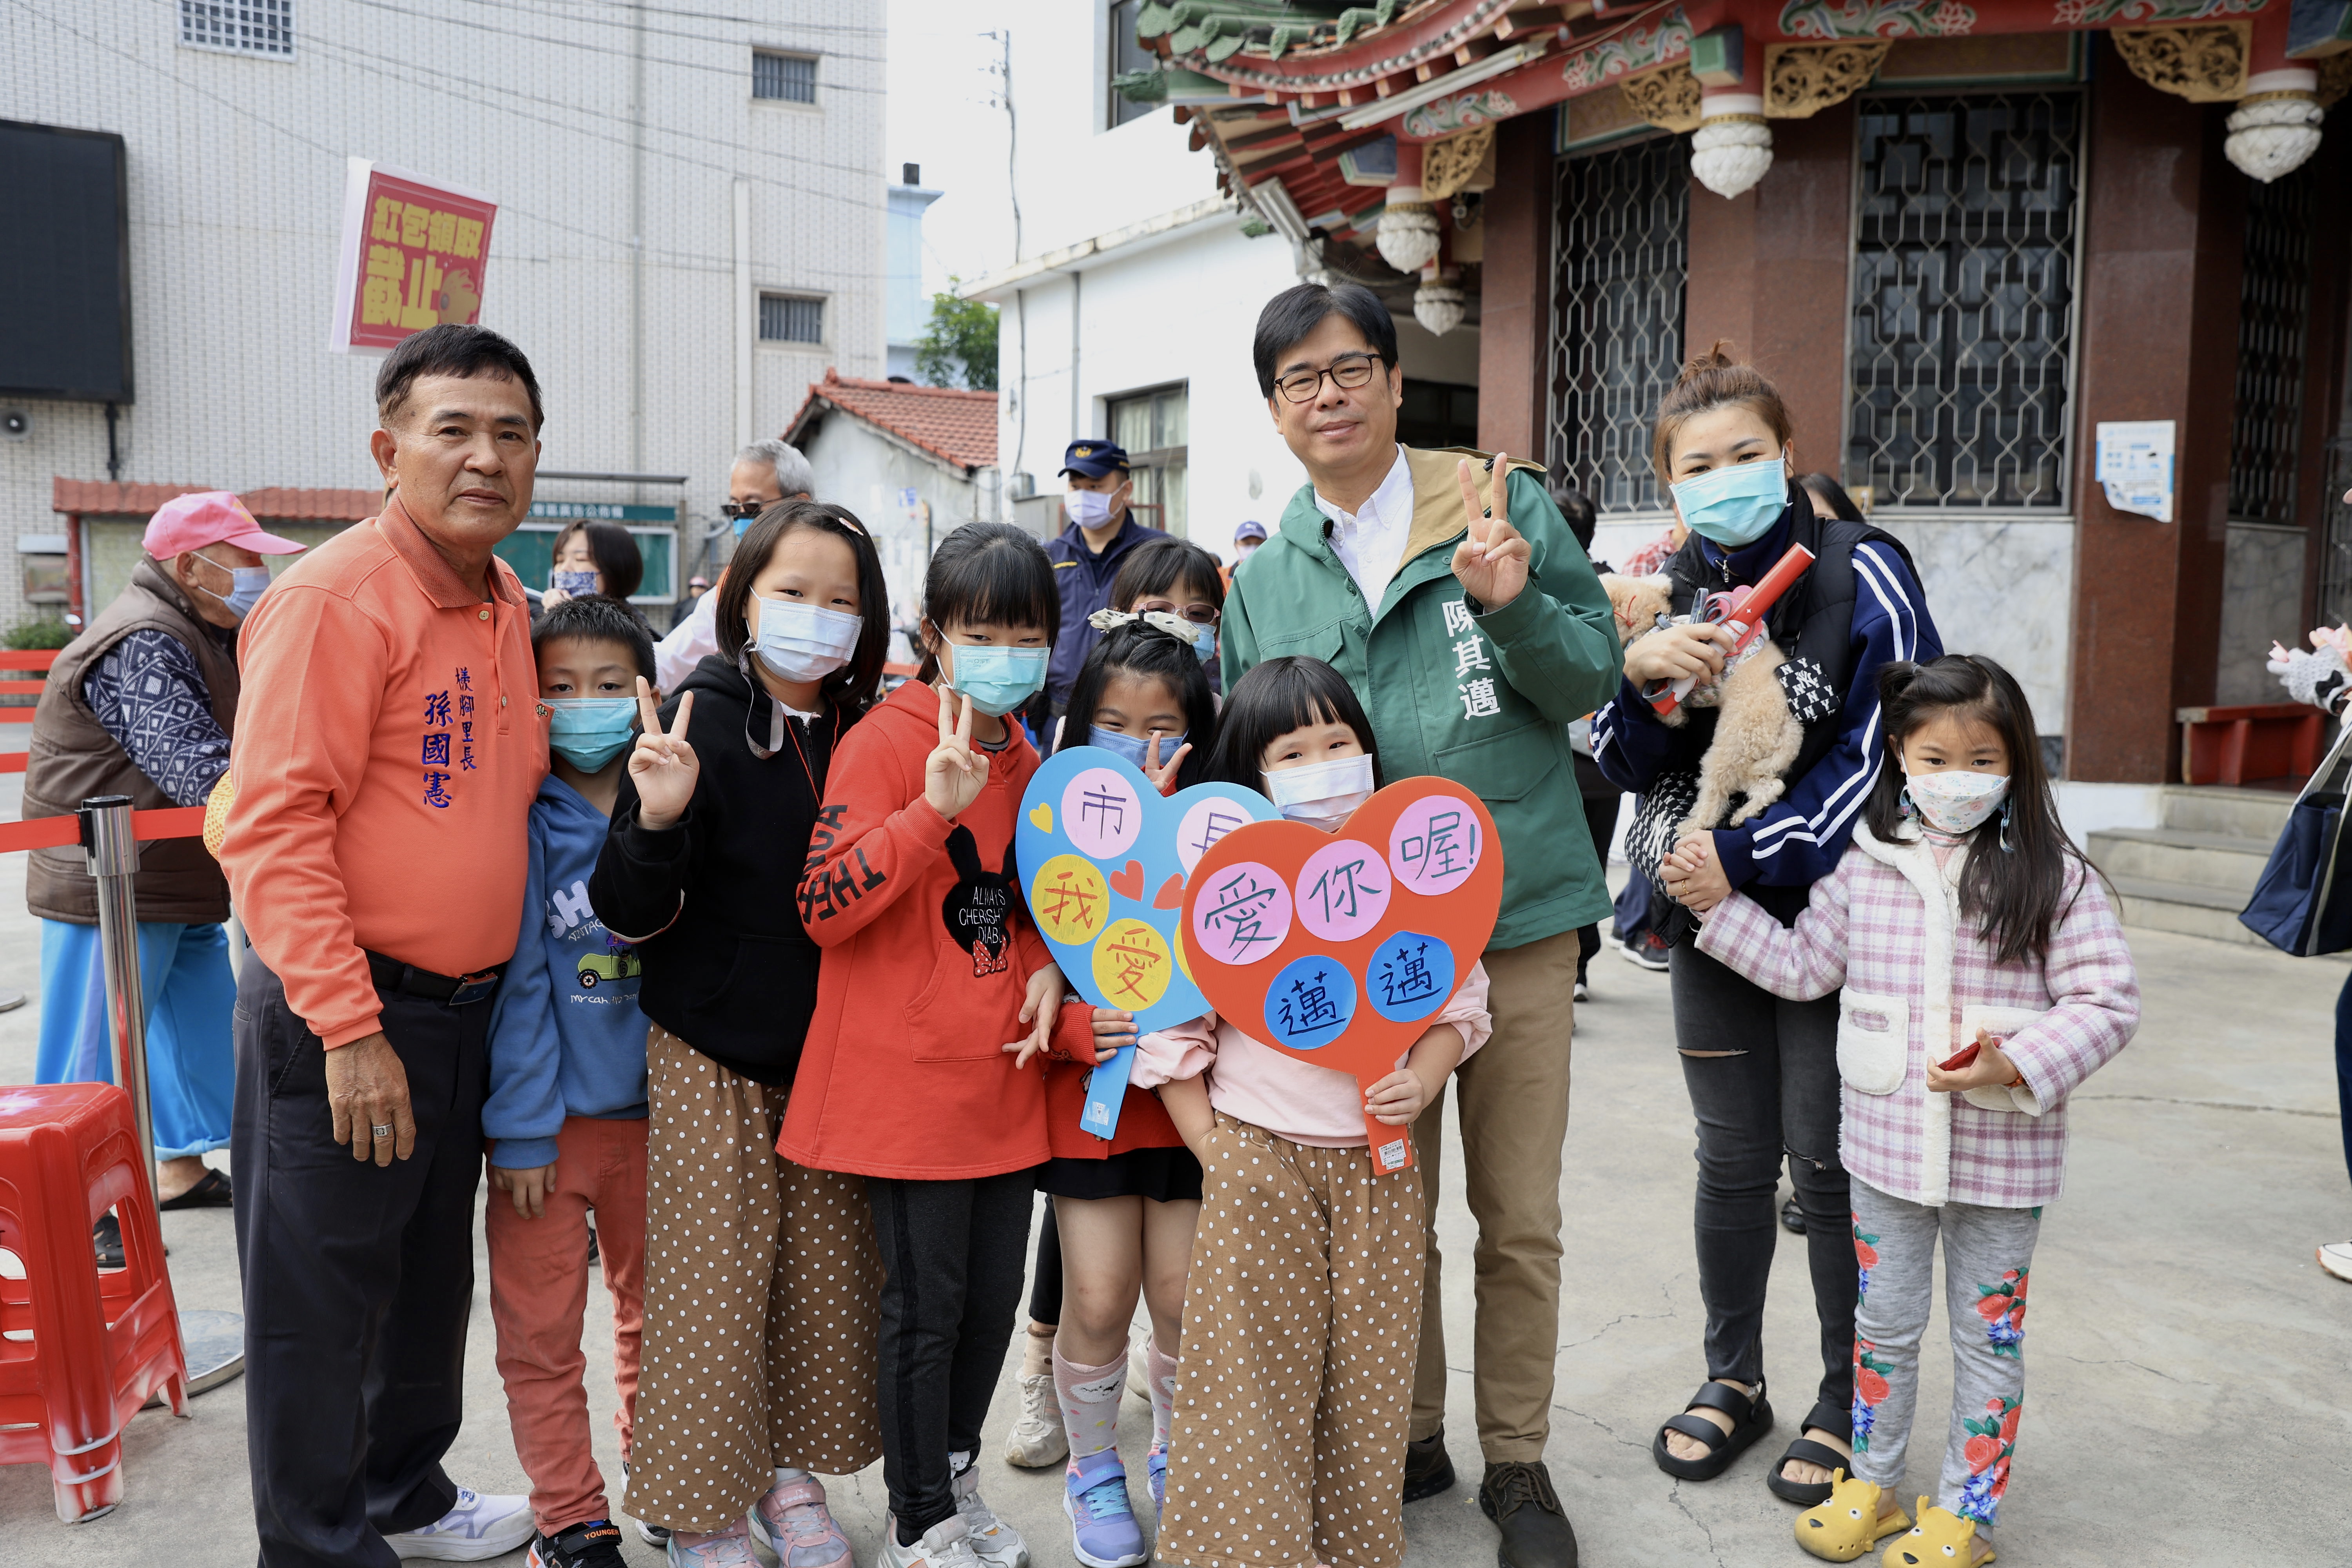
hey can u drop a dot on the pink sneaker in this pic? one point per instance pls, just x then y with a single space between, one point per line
793 1523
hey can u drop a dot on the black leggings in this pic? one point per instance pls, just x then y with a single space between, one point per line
952 1265
1775 1100
1046 1279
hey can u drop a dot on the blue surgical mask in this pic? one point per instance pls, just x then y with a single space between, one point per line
1735 506
1133 749
1088 508
997 679
572 583
245 587
589 732
1204 642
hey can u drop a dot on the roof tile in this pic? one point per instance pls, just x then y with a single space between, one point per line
954 425
104 498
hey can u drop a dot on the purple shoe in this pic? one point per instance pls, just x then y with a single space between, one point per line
793 1523
1103 1532
1155 1465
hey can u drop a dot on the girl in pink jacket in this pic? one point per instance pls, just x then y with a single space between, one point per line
1984 976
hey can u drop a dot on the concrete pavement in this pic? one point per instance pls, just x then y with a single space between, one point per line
2188 1392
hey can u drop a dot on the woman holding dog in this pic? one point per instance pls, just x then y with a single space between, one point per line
1762 1072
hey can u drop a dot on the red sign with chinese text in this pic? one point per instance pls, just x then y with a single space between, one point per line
418 261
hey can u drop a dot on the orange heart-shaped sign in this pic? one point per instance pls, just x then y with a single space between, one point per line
1338 948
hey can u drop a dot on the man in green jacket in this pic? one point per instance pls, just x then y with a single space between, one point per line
1473 640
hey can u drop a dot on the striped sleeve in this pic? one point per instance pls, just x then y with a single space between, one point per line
1797 841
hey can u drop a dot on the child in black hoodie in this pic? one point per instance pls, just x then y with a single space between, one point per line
761 1279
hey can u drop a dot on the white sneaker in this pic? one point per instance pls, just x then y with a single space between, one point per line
947 1544
480 1526
996 1543
2335 1256
1037 1439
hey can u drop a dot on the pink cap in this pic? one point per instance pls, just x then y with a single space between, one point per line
209 517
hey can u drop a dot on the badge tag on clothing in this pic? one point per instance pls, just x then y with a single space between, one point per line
1104 860
1338 948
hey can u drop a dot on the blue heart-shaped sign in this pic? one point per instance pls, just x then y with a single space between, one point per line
1103 859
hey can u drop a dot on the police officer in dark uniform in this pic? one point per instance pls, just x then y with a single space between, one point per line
1086 553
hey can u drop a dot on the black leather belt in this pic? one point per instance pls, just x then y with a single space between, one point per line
391 975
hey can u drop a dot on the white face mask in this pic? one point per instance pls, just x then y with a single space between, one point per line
802 642
1956 801
1321 793
1088 508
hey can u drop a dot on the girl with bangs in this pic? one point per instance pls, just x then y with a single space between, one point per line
934 994
1303 1301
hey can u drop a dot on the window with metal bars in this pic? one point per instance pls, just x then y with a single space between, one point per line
263 27
2273 318
1621 222
1961 336
786 318
792 78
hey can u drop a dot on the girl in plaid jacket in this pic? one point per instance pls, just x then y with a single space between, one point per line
1984 976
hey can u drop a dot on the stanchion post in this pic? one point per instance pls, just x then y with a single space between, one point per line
111 849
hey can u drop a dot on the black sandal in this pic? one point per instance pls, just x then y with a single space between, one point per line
1805 1451
1750 1419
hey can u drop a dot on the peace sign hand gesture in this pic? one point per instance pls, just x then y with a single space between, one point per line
955 774
1162 774
663 767
1491 562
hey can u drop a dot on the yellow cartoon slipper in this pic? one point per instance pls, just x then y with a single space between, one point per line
1848 1525
1941 1537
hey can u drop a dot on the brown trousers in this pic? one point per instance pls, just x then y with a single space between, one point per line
1294 1384
1513 1095
763 1303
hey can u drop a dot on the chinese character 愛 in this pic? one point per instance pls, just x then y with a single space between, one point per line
1240 911
1135 960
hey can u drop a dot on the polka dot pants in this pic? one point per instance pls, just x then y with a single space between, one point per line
763 1303
1302 1312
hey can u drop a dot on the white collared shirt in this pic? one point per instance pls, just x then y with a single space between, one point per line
1371 542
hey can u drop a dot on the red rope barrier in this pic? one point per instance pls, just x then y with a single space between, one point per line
54 832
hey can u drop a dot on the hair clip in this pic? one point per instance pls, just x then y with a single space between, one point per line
1174 626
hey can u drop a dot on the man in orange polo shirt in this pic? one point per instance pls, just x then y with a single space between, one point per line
388 747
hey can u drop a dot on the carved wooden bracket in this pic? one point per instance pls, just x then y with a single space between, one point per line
1453 165
1667 97
2204 64
1802 79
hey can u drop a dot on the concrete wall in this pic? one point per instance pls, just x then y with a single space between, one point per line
236 173
861 469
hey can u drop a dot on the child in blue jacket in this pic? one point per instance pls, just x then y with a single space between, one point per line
566 1112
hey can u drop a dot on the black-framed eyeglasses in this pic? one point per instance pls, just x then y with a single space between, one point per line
1199 614
743 510
1348 373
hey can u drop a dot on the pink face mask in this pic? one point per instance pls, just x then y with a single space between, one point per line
1957 801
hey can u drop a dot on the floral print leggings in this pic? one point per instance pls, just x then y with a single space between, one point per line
1986 1255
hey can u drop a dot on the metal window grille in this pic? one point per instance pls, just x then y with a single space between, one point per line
792 78
786 320
239 27
1127 56
1962 323
1621 222
2273 318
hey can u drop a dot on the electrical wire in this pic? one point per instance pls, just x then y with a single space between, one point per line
689 16
461 21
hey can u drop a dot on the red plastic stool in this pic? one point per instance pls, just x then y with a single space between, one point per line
99 1343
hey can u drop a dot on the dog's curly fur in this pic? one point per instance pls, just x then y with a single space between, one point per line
1756 736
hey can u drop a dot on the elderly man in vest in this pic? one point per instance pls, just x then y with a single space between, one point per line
141 704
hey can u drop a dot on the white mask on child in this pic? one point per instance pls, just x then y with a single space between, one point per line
1956 801
1321 793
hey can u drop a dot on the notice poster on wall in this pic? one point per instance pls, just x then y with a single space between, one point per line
412 255
2135 465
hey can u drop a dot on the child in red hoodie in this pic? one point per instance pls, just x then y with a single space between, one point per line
906 1077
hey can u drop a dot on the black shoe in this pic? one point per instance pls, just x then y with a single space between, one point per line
1428 1468
1536 1533
106 1237
592 1244
1792 1218
596 1544
211 1191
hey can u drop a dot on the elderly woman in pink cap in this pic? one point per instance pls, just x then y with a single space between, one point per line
141 704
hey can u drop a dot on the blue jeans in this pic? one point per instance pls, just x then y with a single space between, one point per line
2344 1066
191 1052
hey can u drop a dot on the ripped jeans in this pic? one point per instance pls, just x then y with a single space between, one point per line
1777 1097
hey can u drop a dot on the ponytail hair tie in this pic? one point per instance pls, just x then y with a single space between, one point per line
1174 624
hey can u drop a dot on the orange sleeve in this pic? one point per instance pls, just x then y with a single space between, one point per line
871 841
313 670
